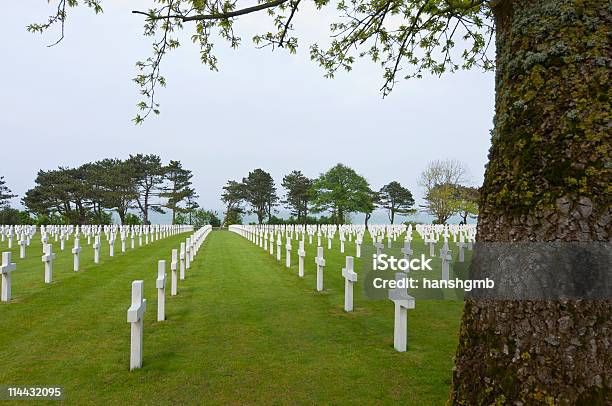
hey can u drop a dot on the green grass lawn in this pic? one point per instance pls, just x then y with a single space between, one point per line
244 329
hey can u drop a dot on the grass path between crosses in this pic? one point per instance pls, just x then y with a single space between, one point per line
244 329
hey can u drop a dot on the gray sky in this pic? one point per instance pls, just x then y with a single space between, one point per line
73 103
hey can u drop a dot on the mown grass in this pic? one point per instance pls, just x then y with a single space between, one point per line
244 329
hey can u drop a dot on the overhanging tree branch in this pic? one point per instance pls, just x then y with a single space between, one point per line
216 16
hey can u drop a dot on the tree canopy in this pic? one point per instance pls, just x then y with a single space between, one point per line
88 193
299 194
396 199
5 193
342 191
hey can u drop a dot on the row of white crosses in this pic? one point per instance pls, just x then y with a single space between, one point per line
463 235
270 235
402 300
23 233
157 231
49 256
63 233
135 313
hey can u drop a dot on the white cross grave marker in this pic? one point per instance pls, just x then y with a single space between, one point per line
135 316
188 253
320 261
111 245
5 270
379 247
161 290
288 252
350 277
446 257
403 301
48 258
182 261
96 247
22 247
407 251
461 245
301 255
76 251
173 268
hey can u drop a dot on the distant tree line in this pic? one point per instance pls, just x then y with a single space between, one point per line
90 193
142 184
341 191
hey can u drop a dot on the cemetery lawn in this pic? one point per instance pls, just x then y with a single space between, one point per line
244 329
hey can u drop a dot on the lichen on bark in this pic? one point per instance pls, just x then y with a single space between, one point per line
549 178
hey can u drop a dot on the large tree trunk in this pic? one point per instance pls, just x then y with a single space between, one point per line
547 180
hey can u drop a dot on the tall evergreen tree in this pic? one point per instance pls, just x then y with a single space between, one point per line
259 191
396 199
5 193
233 198
148 174
299 194
178 187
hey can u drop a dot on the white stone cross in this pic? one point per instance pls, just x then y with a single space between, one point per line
160 284
111 245
403 301
182 261
446 257
62 241
76 251
5 270
123 242
350 277
320 261
279 243
22 247
135 316
192 250
48 258
173 268
461 245
301 255
358 242
432 246
96 247
188 253
407 251
288 252
342 243
379 247
329 241
271 243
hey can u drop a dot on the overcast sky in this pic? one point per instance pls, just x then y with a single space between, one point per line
73 103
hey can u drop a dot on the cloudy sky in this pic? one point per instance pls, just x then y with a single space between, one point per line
73 103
